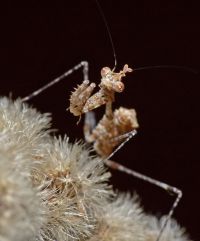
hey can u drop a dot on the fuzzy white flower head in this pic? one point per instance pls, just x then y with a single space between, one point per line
172 232
22 130
121 220
23 125
21 212
75 187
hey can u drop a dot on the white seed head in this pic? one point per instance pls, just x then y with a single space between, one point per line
22 128
121 220
75 187
21 212
172 232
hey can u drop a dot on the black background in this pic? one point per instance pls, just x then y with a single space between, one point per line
40 42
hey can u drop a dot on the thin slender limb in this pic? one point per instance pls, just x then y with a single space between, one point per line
83 64
166 187
128 136
123 136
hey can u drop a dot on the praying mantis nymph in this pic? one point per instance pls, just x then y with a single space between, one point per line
114 125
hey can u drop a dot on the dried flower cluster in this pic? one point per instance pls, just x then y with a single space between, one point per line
51 190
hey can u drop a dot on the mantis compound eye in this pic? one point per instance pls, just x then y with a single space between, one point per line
105 71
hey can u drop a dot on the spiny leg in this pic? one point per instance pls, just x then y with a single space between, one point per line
166 187
83 64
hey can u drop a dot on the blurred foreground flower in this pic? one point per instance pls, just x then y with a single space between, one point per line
21 210
173 231
121 220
